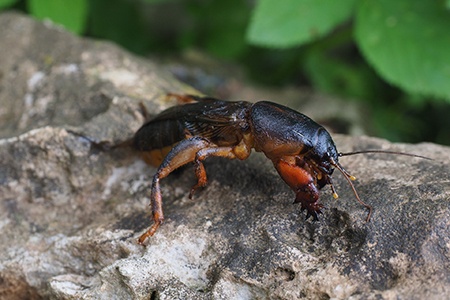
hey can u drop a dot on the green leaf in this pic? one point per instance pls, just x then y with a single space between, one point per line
408 43
72 14
6 3
289 23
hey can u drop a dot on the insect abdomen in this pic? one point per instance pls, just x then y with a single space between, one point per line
156 138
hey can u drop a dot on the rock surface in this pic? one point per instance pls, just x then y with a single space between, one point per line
71 211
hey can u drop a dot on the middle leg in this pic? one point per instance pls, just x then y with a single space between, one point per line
200 171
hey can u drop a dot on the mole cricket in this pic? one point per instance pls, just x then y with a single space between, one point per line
302 151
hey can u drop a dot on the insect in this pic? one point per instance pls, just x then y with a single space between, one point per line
301 150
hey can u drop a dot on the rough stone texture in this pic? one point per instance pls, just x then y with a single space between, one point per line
71 211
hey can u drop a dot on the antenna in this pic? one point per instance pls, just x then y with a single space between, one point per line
349 179
382 151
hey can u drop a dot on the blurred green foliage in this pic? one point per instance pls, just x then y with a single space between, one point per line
6 3
71 14
392 55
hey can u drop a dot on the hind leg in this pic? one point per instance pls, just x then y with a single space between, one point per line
183 153
194 149
185 99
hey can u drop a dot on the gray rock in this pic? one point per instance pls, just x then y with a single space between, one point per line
71 209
